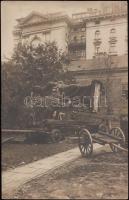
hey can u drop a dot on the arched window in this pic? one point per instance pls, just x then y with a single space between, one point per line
47 36
113 32
36 41
97 42
97 49
113 42
112 48
97 34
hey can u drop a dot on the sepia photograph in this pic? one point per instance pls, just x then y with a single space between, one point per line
64 99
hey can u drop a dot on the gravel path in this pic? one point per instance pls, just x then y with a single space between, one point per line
103 176
13 179
22 153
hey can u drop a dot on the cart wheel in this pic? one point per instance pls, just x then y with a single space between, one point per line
117 132
85 143
56 135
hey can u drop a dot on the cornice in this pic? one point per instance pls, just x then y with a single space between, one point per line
45 19
102 71
106 16
49 21
41 30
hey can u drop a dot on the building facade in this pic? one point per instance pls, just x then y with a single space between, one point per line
83 36
106 34
96 41
37 28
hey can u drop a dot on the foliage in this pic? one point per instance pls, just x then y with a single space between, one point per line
29 66
40 64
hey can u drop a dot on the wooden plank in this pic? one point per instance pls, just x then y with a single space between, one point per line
16 130
98 141
104 138
119 147
7 139
21 131
108 135
70 123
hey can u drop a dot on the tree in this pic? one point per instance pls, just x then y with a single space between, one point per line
29 66
11 92
40 64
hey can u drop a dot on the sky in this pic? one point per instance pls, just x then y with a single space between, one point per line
12 10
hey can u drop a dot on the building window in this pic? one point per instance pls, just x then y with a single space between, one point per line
97 22
113 32
125 91
75 38
83 53
126 44
97 49
97 42
75 54
97 34
75 29
47 36
112 48
113 36
36 41
83 29
82 38
112 41
25 36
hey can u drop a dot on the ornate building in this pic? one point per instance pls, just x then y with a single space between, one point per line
37 28
106 33
96 41
83 36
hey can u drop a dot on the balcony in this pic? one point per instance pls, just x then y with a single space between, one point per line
77 43
113 40
97 41
77 55
112 53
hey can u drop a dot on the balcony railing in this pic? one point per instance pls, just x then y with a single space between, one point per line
112 53
113 40
77 43
77 57
97 41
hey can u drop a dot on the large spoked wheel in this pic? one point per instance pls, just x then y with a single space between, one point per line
85 143
118 133
56 135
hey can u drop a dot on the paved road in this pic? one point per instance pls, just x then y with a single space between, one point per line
13 179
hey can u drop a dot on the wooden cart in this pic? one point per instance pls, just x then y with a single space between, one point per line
94 129
114 136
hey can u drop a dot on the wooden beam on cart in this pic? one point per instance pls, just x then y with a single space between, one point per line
119 147
7 140
21 131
